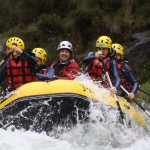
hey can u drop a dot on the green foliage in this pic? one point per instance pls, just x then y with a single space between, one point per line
141 17
143 96
44 23
143 72
86 19
50 24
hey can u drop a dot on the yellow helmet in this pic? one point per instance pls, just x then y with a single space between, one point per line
104 41
118 48
15 41
40 53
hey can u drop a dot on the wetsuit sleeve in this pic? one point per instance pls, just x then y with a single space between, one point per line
72 71
3 73
117 80
28 57
69 72
89 58
129 74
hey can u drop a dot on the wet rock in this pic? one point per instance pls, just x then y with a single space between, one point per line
138 50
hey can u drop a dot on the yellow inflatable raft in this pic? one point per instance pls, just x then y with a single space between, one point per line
41 105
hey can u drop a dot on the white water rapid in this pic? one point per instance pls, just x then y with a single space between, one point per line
95 135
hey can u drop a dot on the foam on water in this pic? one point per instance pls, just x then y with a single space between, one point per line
77 140
102 132
20 140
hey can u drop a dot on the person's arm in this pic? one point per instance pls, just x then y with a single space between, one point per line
69 72
28 57
72 71
48 75
129 74
117 80
89 58
3 73
24 55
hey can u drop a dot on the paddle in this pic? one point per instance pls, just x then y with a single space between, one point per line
117 102
144 91
146 111
5 58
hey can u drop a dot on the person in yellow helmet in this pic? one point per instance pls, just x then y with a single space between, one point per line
17 70
95 65
41 57
128 78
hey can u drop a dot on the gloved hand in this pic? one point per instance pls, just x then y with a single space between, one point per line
48 76
50 72
89 57
42 76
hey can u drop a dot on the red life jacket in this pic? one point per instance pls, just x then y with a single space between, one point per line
18 74
66 71
96 70
125 82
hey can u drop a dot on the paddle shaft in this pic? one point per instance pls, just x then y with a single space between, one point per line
117 102
136 101
144 91
6 57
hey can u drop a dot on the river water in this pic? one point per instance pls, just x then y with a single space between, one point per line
95 135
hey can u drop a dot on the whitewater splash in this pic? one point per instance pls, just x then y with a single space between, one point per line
103 132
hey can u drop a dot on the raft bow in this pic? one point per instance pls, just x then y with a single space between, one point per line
42 105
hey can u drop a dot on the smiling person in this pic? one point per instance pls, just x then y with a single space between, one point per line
66 67
95 67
